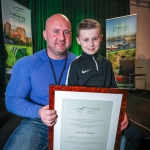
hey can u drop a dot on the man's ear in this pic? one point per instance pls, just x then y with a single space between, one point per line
78 41
45 35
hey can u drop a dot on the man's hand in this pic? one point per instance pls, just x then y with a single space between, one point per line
48 117
124 123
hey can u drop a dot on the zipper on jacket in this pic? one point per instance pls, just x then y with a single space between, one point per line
95 63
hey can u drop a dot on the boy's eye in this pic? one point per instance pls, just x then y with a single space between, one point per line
95 39
85 40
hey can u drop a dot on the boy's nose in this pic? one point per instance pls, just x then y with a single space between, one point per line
91 43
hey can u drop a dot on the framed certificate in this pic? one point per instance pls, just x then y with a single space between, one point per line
89 118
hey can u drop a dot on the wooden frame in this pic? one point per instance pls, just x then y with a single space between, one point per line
124 93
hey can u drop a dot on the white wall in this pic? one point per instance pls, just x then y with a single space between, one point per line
142 9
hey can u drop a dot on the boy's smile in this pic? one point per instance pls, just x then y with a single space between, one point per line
90 40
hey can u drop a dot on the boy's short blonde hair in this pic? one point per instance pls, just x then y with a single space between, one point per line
87 24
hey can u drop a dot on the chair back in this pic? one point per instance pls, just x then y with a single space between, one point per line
126 67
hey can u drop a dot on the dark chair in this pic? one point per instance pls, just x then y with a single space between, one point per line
127 69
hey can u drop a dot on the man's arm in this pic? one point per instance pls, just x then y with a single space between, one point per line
47 116
18 90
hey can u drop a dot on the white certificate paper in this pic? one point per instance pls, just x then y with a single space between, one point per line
86 121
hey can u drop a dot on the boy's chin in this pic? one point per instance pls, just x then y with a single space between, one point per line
91 53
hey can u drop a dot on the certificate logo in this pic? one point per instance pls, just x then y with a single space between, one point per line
88 110
81 110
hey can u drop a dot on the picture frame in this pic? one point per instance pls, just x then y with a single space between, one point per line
94 99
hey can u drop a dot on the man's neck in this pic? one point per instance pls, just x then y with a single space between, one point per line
56 56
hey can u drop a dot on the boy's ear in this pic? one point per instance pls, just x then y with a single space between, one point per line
101 37
78 41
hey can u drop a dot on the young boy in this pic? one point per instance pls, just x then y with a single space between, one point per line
92 69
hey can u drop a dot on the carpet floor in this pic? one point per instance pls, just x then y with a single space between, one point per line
138 110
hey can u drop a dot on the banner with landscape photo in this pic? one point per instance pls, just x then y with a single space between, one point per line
121 45
17 33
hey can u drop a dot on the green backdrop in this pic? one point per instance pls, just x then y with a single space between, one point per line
75 10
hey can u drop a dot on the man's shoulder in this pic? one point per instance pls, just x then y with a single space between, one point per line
77 59
41 56
71 56
34 59
38 55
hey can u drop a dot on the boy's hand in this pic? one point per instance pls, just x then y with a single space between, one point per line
124 123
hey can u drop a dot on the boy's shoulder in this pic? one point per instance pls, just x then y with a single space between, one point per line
76 62
102 58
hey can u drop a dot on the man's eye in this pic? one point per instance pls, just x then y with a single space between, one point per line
56 31
67 32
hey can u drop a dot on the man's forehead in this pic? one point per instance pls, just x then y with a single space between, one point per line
59 26
64 25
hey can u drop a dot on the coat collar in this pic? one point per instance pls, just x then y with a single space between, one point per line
90 56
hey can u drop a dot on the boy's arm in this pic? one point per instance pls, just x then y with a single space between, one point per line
72 75
113 79
124 123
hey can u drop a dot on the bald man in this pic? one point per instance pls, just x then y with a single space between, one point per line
27 91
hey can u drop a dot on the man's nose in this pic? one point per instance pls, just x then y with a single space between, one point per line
61 36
